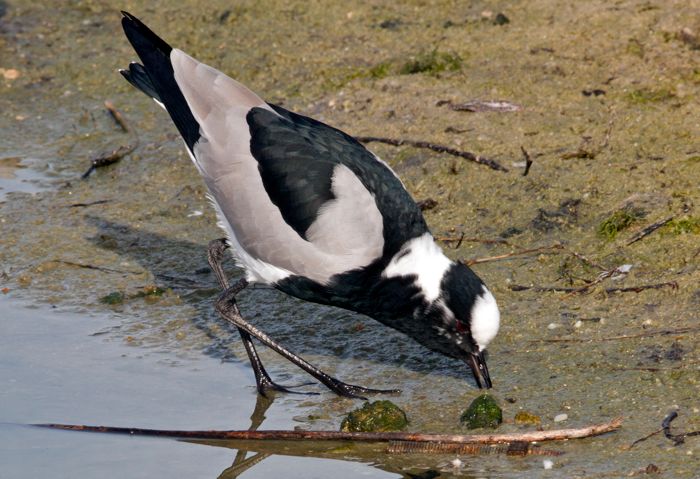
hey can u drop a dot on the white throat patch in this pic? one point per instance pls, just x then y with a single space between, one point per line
486 319
423 258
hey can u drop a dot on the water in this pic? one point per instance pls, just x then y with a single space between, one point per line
16 176
169 362
58 367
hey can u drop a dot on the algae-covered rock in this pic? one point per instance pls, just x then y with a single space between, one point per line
484 411
527 418
379 416
113 298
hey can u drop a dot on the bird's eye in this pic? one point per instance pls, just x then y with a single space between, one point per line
460 327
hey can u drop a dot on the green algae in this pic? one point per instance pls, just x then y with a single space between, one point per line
650 95
432 63
378 416
689 225
527 418
483 412
150 292
618 221
113 298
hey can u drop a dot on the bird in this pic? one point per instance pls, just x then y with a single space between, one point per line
308 210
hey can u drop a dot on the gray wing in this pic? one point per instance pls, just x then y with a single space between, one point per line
344 233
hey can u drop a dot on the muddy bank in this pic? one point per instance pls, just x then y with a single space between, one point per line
608 98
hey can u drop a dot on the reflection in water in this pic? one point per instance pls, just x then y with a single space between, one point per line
241 463
337 450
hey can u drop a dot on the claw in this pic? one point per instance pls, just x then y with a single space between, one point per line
353 391
265 386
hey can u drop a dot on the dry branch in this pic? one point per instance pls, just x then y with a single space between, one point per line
648 230
298 435
109 158
494 165
564 289
461 238
646 334
528 160
544 249
116 116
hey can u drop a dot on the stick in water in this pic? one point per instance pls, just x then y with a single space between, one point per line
277 435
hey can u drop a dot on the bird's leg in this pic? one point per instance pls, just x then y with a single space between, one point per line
263 381
228 309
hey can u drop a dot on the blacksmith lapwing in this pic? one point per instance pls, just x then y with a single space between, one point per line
307 209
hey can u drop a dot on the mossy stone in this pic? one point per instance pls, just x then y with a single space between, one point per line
379 416
113 298
484 411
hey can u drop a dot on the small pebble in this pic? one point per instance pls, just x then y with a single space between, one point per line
547 464
9 73
552 326
456 463
578 324
561 417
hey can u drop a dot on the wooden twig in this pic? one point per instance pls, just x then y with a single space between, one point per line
91 203
462 238
646 334
109 158
588 261
642 287
116 116
642 439
528 160
543 249
676 438
97 268
478 106
494 165
301 435
619 270
563 289
648 230
648 369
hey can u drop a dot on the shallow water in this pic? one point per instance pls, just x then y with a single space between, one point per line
60 365
67 243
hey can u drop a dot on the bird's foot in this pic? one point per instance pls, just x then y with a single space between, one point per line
266 386
353 391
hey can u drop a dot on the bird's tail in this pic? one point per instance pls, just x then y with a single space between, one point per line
156 77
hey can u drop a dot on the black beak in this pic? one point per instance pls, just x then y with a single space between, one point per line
477 362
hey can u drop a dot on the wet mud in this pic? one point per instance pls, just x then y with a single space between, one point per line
609 113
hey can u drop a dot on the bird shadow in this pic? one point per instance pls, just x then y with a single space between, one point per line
305 328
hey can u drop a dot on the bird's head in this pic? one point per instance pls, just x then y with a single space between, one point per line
466 315
458 315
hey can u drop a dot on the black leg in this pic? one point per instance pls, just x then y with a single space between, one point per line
262 379
228 309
